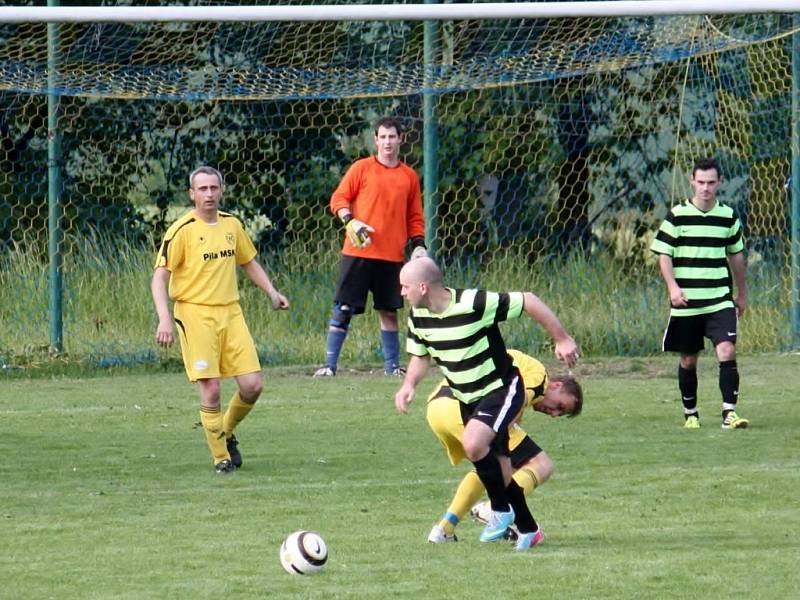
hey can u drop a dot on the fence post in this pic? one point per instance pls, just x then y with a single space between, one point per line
55 234
430 137
795 188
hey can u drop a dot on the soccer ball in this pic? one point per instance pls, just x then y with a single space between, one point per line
303 553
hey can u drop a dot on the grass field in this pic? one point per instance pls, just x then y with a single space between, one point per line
107 492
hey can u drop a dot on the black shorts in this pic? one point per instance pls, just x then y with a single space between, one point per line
499 409
359 276
524 452
685 334
521 454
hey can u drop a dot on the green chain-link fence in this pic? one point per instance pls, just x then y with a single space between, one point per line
560 145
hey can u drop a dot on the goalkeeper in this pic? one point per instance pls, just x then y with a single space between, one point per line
556 396
379 203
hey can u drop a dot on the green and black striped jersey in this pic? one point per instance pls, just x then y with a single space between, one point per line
465 340
699 244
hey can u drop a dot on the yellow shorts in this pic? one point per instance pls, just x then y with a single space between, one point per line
215 341
444 418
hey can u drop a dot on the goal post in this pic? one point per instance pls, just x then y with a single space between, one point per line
393 12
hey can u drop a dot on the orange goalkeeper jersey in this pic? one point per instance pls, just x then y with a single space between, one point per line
389 200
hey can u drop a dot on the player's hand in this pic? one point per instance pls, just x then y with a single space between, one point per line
741 303
419 252
165 334
279 301
358 232
677 297
404 397
567 351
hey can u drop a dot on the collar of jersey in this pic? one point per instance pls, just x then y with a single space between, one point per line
707 212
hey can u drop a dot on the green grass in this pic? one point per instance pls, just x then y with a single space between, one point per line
108 492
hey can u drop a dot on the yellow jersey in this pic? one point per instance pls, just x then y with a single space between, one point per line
534 376
202 258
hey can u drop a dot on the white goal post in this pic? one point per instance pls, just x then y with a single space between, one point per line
393 12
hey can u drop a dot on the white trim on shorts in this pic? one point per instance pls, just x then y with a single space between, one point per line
512 389
664 335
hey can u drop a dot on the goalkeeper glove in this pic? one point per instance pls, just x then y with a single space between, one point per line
418 250
357 231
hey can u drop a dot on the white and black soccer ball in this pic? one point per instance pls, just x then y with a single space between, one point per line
303 553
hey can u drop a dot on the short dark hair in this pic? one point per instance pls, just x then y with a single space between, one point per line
571 386
206 170
388 123
706 164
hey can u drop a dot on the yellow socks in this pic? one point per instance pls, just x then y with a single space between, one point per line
527 479
469 491
211 418
238 409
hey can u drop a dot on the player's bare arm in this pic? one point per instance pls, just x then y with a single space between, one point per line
165 332
256 273
566 350
676 295
416 371
738 266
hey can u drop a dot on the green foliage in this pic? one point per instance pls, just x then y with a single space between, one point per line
637 506
310 221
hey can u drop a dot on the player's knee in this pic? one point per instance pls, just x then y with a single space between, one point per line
476 440
342 313
472 455
251 391
388 320
542 467
726 351
474 450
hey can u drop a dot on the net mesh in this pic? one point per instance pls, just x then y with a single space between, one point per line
560 145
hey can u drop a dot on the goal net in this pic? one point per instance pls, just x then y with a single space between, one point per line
560 144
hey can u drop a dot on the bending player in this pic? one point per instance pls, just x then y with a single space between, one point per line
458 329
555 396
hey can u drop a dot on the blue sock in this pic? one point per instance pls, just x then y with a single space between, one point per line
333 347
390 342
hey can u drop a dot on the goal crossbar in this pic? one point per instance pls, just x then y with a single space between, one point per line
393 12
